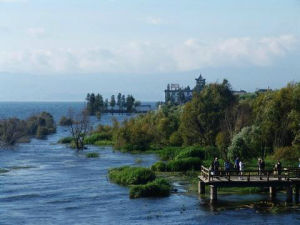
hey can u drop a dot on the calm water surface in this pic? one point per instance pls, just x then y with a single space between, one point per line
48 183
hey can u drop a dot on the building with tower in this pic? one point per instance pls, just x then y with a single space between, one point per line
180 95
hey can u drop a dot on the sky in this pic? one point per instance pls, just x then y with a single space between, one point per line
53 50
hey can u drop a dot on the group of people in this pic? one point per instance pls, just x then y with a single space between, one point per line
215 166
239 167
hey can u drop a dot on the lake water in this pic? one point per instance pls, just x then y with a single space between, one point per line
48 183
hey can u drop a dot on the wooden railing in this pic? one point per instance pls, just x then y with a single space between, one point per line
284 174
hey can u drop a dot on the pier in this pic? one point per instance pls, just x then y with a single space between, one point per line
287 178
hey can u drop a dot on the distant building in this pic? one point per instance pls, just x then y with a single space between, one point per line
262 90
180 95
240 92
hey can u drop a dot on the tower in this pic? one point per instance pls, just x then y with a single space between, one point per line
200 83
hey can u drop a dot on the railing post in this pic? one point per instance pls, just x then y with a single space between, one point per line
268 175
208 175
248 178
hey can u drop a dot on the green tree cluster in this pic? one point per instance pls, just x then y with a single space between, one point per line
14 130
96 105
248 127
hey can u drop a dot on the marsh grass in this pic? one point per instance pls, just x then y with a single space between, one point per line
104 143
65 140
157 188
131 175
92 155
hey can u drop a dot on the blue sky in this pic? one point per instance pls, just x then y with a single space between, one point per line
59 50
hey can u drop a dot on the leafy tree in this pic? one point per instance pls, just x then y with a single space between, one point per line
202 116
130 103
112 101
99 104
119 101
246 144
106 103
123 102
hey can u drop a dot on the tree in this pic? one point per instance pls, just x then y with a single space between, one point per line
222 142
278 115
106 103
130 103
112 101
11 131
247 144
79 127
119 101
202 116
123 102
99 103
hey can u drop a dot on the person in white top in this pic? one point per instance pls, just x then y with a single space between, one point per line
241 165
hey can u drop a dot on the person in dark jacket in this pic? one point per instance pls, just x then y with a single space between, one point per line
227 167
237 164
216 166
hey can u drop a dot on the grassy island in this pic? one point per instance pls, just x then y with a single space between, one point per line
141 181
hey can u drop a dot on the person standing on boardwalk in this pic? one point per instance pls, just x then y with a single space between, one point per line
261 168
241 166
216 166
278 167
227 167
237 164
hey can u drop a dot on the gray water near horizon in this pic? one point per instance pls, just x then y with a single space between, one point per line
48 183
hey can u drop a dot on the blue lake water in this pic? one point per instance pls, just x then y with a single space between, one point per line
48 183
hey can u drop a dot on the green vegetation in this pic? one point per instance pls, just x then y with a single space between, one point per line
184 164
141 181
95 137
157 188
131 175
14 130
65 121
65 140
216 123
104 143
92 155
227 126
96 105
102 136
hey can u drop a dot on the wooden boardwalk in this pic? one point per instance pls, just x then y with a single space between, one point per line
288 178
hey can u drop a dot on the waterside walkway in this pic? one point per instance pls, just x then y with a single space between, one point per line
288 178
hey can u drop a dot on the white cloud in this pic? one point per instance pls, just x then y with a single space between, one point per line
36 32
148 57
155 21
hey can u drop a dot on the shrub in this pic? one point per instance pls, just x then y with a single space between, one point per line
159 166
157 188
287 153
191 152
176 139
92 155
64 121
93 138
184 164
211 152
42 132
131 175
65 140
169 153
40 125
104 143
